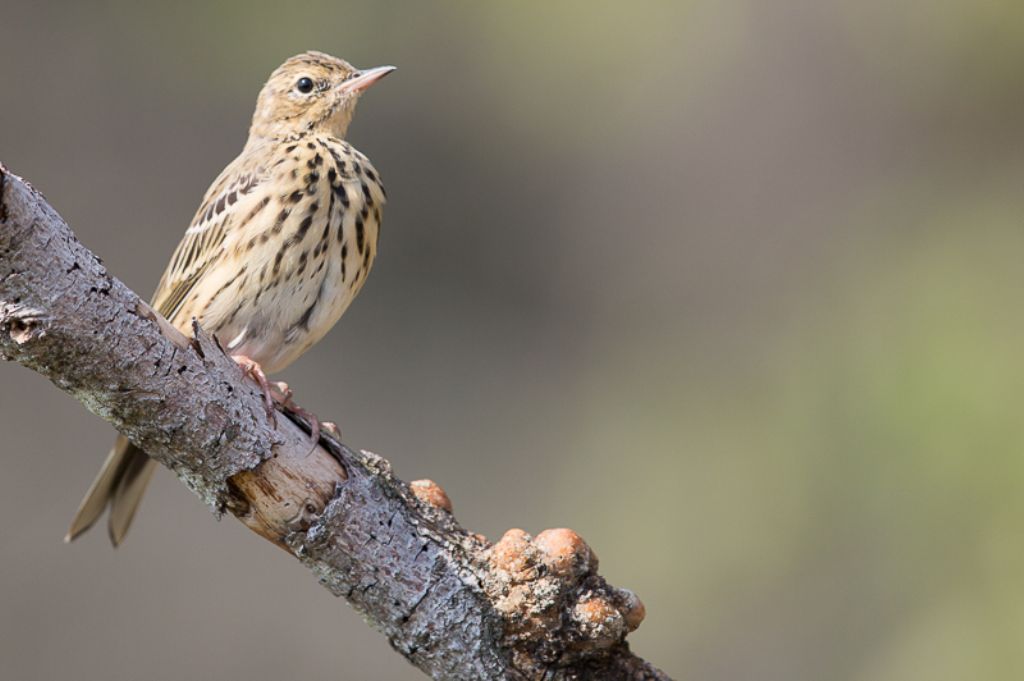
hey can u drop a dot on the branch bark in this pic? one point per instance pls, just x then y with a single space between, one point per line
454 605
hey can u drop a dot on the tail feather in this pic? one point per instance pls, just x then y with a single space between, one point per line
126 498
119 484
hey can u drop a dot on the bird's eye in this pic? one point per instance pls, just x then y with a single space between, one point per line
304 85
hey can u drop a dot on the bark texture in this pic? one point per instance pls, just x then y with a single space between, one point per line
453 604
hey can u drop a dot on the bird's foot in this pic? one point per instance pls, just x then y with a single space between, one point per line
281 393
332 429
283 396
253 370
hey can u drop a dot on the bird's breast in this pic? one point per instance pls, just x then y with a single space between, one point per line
308 257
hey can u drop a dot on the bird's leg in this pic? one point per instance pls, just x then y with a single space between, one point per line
253 370
283 396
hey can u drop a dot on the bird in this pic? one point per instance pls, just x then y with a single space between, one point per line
281 244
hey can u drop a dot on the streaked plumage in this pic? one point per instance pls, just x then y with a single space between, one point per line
282 242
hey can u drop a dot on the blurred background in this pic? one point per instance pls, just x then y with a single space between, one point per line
732 289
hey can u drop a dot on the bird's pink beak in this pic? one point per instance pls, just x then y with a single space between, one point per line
365 78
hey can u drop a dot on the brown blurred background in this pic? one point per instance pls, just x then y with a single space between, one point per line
731 288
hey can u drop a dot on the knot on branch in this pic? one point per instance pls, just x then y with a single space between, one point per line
558 611
21 323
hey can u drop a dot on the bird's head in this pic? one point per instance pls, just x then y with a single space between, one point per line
311 92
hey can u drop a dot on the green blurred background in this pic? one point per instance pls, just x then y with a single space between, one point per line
731 288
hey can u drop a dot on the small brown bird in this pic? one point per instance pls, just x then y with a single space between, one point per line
281 244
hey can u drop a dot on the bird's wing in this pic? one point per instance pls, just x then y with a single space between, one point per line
204 239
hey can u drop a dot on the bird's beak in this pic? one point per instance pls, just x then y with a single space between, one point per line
365 78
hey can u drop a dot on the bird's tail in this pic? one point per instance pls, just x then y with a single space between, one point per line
120 484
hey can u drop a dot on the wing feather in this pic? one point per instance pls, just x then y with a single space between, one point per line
204 239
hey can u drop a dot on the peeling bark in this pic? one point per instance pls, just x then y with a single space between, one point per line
451 603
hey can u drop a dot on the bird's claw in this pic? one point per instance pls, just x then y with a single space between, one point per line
332 429
310 418
253 370
278 394
283 396
282 393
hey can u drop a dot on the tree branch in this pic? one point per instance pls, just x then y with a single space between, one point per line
454 605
